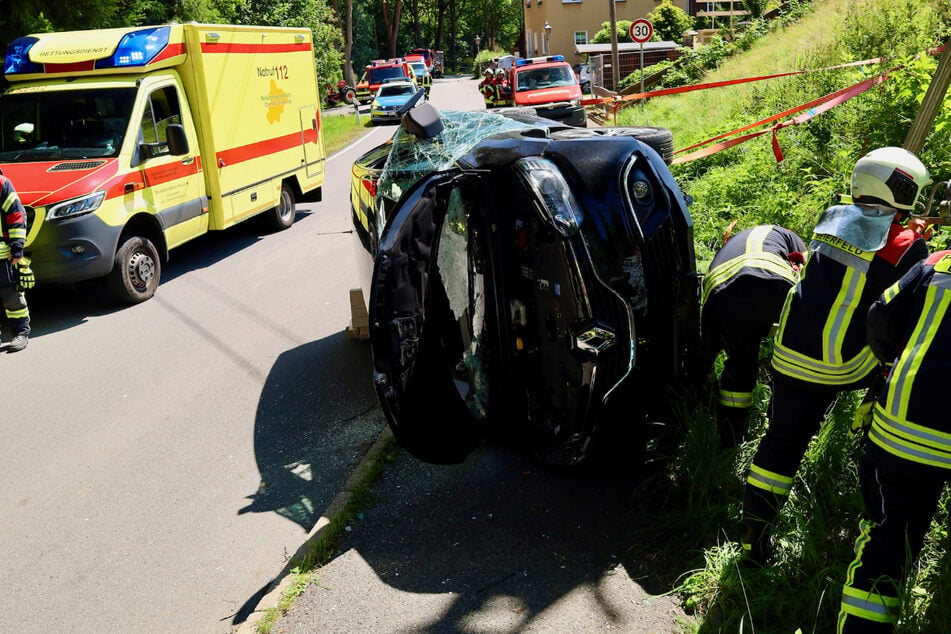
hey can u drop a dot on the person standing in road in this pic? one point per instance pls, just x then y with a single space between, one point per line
487 88
858 250
15 272
907 460
743 295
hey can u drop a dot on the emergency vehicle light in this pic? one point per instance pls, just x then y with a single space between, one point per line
551 58
137 48
18 59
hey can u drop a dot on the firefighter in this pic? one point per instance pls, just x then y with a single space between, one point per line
743 295
857 251
15 272
907 460
503 93
487 88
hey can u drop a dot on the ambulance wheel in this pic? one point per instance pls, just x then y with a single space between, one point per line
136 272
282 216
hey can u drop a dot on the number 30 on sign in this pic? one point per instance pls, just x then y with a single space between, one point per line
641 30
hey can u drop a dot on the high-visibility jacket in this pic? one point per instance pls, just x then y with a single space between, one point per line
761 251
743 294
821 339
911 325
12 218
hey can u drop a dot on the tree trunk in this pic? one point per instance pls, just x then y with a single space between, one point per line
391 22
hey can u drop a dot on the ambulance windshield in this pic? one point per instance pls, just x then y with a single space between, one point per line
73 124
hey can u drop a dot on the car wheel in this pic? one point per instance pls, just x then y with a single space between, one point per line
282 216
136 272
660 139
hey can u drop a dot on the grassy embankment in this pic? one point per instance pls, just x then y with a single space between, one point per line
341 130
696 498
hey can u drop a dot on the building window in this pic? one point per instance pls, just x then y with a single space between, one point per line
581 37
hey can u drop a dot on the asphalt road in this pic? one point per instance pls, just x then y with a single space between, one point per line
160 461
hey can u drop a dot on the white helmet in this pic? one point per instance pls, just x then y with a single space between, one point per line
500 72
892 175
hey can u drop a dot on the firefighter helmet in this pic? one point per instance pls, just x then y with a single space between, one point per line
488 73
892 175
500 73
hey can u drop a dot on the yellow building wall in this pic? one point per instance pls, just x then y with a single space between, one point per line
566 18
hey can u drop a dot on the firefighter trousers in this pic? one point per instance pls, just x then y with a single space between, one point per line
736 319
795 416
899 507
14 301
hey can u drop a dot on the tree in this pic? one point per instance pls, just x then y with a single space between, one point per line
669 22
604 35
313 14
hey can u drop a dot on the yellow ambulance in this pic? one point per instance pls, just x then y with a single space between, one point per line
125 143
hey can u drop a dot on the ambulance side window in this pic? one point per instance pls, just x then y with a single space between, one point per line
161 109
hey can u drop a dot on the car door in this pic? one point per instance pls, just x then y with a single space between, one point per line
427 326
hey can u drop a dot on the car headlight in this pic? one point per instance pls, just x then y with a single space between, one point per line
77 206
552 189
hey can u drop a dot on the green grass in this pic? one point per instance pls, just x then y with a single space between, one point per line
698 494
341 130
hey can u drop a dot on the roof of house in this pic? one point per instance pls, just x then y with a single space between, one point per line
625 47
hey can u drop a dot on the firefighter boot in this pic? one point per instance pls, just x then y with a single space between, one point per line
18 343
756 544
731 425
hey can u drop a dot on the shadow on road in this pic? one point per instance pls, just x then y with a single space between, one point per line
311 428
56 307
501 542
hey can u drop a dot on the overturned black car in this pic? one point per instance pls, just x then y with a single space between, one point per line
525 280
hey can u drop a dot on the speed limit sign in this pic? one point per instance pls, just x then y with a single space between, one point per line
641 30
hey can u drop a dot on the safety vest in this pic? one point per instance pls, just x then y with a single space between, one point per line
761 252
821 338
911 419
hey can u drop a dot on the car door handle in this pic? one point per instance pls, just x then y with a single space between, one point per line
188 160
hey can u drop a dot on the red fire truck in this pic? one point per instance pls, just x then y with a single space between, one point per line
379 71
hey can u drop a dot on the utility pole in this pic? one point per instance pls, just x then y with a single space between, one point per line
614 57
937 89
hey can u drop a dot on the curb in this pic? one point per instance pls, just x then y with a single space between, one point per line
284 579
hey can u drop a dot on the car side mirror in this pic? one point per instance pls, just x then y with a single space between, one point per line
423 122
176 138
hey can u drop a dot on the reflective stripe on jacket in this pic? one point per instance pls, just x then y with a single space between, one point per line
911 325
821 338
761 251
12 218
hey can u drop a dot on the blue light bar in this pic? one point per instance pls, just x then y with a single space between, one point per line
538 60
138 48
18 60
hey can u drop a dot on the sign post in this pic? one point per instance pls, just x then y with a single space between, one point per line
641 31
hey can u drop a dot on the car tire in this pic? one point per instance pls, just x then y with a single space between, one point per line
660 140
136 271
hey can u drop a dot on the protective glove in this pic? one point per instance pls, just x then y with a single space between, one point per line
25 277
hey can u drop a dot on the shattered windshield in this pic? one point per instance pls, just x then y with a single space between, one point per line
411 158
